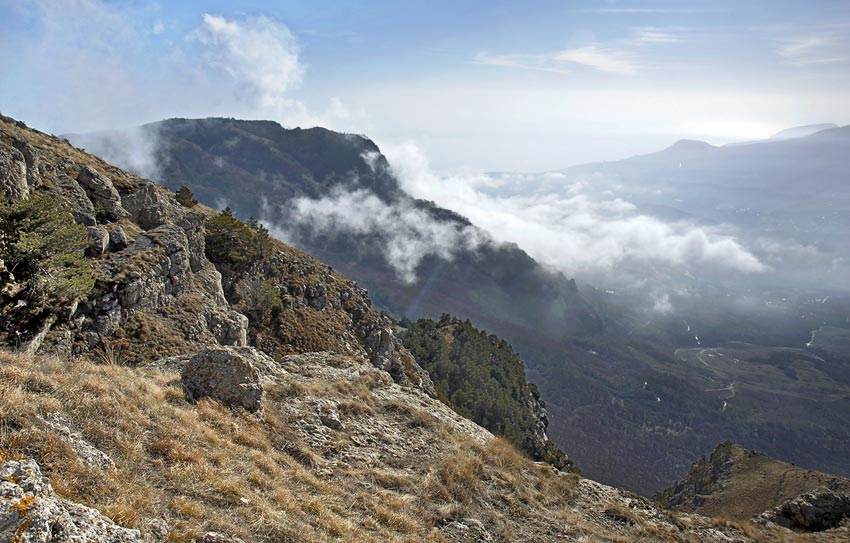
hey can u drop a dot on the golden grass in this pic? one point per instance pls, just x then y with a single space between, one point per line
201 467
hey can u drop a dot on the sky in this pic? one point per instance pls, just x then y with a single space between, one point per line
477 85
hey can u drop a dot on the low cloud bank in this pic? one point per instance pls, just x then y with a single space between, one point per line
577 233
406 233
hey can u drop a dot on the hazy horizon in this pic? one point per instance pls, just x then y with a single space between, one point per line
483 86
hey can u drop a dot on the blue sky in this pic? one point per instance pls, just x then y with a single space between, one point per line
478 85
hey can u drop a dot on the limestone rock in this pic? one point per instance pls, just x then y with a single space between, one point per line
13 174
30 512
100 190
86 452
149 206
30 158
118 239
99 240
230 375
815 511
218 537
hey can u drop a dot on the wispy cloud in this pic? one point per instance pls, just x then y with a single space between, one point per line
603 59
649 35
649 10
406 233
260 55
816 49
542 63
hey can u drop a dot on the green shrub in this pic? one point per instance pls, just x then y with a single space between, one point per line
43 248
231 242
185 197
482 378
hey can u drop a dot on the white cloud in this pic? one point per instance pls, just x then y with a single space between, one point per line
89 68
812 50
655 36
408 234
541 63
574 233
603 59
260 55
133 149
661 303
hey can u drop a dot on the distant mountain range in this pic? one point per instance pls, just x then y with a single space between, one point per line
616 386
801 131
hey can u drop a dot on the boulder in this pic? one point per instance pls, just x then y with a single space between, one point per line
98 240
101 191
815 511
30 512
150 206
230 375
118 239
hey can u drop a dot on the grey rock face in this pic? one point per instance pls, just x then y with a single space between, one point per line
99 238
231 376
149 206
468 530
30 512
118 239
31 159
86 452
101 191
13 174
814 511
218 537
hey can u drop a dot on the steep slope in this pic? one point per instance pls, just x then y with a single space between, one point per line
739 483
258 167
157 287
338 452
482 378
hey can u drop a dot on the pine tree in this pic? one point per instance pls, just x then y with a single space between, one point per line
185 197
43 248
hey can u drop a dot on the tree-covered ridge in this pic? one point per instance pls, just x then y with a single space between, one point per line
482 378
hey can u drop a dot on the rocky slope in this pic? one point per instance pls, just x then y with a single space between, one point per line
481 377
336 451
739 483
156 293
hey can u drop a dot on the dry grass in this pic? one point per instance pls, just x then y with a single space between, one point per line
201 467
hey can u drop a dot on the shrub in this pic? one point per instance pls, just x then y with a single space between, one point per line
482 378
185 197
43 247
231 242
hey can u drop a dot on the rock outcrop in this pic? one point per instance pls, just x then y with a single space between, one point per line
157 294
739 483
232 376
815 511
30 512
